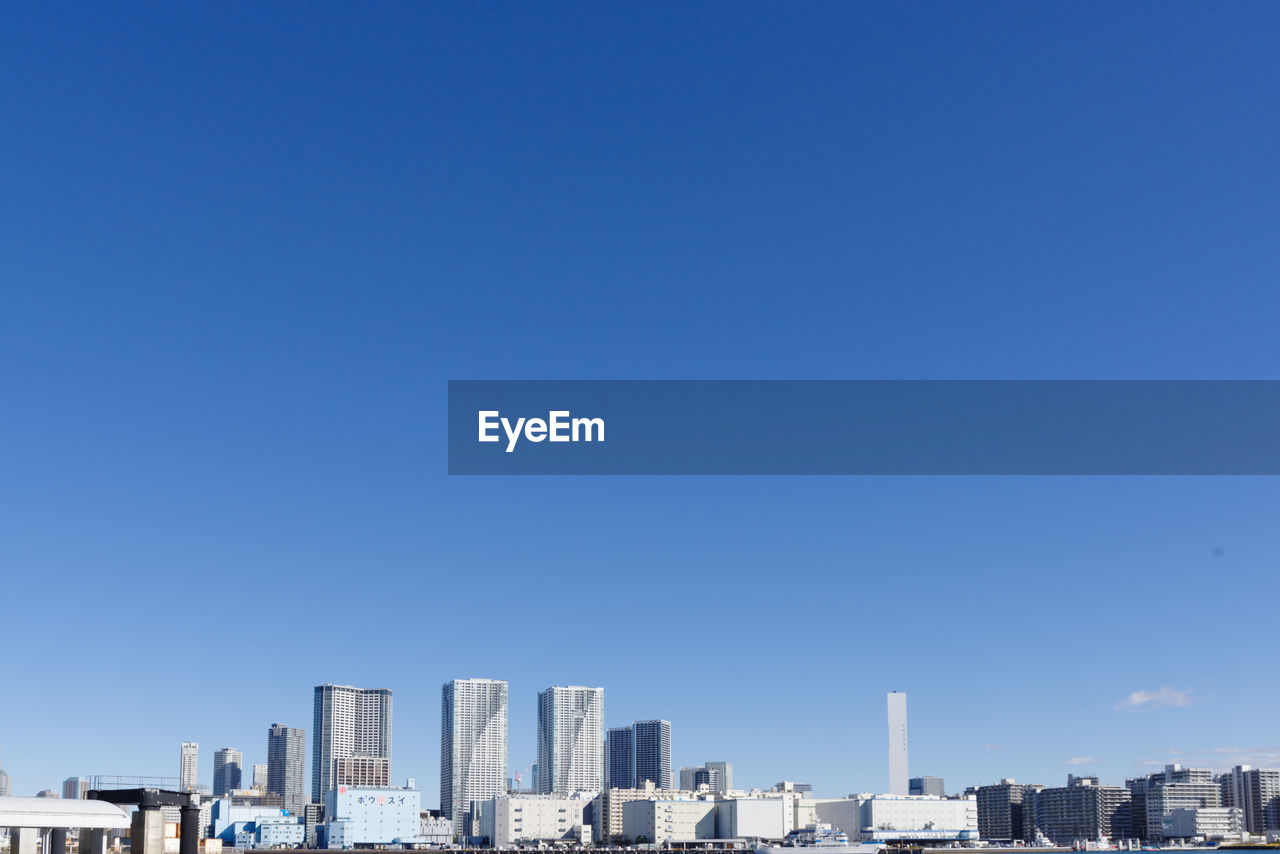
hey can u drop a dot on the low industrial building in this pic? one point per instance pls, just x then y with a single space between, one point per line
890 818
1209 823
524 819
360 816
659 822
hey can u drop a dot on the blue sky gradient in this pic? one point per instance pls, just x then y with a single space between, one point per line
243 248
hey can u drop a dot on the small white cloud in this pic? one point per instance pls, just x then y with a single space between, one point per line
990 746
1082 760
1155 699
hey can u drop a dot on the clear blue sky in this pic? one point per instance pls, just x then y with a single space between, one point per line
244 246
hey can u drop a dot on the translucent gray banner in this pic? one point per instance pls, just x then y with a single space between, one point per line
1128 427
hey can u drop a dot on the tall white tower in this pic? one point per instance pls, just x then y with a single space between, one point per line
898 783
187 770
349 722
473 745
570 740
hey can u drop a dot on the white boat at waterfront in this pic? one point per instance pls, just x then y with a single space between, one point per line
819 839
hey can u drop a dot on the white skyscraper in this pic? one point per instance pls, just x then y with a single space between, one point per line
473 745
898 780
187 771
348 722
570 740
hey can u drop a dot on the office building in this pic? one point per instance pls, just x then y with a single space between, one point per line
348 722
927 786
1083 810
897 704
570 740
663 821
187 768
1000 811
286 765
260 777
6 784
227 765
620 756
653 753
473 745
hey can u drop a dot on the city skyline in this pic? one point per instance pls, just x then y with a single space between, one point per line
249 247
1213 760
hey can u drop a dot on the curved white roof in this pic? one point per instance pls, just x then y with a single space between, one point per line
56 812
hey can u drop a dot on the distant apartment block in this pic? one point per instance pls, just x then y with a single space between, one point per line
1256 792
620 758
188 766
927 786
653 753
227 767
286 764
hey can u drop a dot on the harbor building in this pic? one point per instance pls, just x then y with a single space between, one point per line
473 746
347 722
660 821
570 740
508 821
895 818
1211 823
372 817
